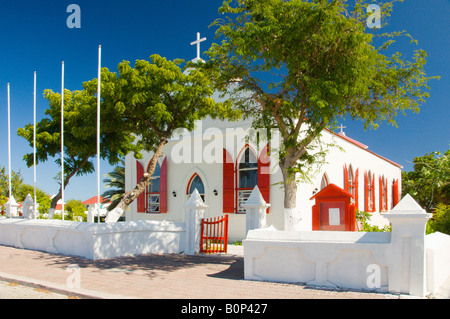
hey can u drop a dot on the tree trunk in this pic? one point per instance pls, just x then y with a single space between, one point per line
291 212
53 204
127 198
66 182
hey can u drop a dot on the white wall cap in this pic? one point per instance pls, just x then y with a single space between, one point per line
195 200
28 200
11 201
436 240
255 199
407 206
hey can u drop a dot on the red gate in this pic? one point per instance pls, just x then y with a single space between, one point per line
214 235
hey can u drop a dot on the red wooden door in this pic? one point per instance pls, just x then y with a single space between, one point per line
214 235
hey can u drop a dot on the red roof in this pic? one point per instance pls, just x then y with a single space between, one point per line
332 190
345 137
93 200
364 147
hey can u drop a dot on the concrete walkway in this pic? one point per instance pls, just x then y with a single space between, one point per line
174 276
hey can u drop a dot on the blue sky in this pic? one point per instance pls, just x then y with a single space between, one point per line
35 37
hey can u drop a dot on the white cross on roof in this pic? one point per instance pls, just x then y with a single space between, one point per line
197 42
342 129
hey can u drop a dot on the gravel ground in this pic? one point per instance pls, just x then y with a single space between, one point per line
12 290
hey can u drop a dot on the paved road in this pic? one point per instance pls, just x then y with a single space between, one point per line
173 276
12 290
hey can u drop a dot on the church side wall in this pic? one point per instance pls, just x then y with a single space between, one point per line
179 175
360 159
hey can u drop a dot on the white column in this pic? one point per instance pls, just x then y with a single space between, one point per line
27 207
11 207
195 211
255 207
407 266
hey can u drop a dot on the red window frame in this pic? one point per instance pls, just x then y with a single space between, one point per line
383 194
230 178
369 190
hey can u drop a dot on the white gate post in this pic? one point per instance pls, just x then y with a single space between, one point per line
28 207
407 267
11 207
195 211
255 207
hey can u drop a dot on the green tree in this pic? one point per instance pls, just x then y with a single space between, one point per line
42 198
429 182
20 190
16 182
441 220
155 98
80 128
115 179
75 210
300 66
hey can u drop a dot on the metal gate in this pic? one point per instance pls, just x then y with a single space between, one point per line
214 235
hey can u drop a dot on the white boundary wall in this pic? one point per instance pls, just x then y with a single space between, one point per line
438 260
93 241
107 240
317 258
401 261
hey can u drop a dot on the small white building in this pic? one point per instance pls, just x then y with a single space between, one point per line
224 166
93 209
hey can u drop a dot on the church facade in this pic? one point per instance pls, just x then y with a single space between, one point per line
224 165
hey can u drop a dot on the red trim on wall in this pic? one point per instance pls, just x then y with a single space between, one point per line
264 175
228 183
357 188
141 198
345 177
163 187
395 194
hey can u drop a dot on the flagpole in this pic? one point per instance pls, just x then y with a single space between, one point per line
9 144
98 132
62 139
34 141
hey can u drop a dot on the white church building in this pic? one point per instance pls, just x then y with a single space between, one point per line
224 166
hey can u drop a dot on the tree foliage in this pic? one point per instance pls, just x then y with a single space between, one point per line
300 66
20 190
152 100
80 134
116 181
429 181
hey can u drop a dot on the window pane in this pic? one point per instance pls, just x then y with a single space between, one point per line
248 178
197 183
153 203
154 180
248 160
154 186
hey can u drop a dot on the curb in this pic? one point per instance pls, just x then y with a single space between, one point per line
60 289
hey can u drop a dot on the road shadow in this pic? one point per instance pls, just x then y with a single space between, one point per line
152 264
235 271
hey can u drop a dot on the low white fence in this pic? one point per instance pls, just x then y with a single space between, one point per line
392 262
93 241
107 240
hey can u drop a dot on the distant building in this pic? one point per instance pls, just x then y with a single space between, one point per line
92 207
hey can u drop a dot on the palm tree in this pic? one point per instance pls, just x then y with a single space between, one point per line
115 179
